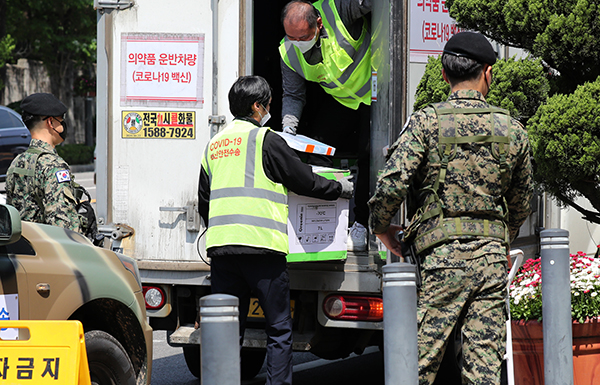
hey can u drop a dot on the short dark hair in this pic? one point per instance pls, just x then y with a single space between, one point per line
245 92
31 120
295 12
460 68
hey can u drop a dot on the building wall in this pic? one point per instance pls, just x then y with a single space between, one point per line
30 76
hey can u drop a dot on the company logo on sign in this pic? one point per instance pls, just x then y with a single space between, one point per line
132 123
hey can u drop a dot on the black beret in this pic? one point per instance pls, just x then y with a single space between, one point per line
471 45
43 104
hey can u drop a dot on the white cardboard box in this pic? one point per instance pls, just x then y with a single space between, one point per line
317 229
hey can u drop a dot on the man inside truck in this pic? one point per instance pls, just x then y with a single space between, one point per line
246 172
330 43
470 163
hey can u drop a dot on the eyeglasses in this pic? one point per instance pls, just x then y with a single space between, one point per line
62 122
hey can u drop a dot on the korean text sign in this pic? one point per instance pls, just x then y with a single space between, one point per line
159 124
47 352
162 69
430 28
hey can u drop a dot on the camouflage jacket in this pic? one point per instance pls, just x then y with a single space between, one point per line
47 196
414 162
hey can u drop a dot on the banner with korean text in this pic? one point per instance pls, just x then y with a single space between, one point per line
430 28
160 69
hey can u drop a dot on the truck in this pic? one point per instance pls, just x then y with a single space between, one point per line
163 74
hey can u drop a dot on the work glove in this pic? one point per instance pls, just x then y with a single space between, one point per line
289 130
347 187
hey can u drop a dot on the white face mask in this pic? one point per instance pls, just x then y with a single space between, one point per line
264 119
304 46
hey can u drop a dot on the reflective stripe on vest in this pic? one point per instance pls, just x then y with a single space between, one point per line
246 207
440 229
345 72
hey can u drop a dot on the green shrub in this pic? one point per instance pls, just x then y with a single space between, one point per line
565 138
432 88
76 153
519 85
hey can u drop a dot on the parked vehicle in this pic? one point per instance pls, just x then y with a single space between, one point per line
49 273
14 138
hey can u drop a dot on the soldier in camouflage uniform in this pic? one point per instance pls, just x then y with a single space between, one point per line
469 171
38 182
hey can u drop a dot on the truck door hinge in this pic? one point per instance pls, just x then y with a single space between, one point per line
112 4
216 119
192 220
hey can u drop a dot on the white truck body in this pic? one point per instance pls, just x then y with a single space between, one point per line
147 187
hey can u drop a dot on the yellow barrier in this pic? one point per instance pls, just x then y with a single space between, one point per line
47 352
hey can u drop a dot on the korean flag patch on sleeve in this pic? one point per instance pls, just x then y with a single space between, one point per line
63 176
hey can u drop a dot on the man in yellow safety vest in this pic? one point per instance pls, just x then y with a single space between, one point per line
246 172
329 43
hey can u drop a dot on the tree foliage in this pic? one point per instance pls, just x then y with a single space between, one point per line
519 86
6 47
432 88
564 136
62 34
566 36
563 33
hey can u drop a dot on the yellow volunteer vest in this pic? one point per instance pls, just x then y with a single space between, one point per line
345 72
246 208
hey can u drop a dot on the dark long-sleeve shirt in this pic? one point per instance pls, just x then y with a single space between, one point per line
282 165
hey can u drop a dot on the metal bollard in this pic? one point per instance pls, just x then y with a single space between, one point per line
400 349
219 340
556 307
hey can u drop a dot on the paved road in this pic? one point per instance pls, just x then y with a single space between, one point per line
169 368
168 364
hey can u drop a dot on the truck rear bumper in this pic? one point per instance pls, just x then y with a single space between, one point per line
253 338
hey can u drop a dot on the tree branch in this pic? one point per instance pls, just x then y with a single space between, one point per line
588 215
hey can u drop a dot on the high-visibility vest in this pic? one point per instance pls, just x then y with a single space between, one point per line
246 207
345 71
430 226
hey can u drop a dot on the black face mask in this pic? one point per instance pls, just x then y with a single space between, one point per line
62 134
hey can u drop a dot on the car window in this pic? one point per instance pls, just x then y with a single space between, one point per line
20 247
8 120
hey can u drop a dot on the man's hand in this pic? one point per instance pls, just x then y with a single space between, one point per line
390 241
347 187
289 130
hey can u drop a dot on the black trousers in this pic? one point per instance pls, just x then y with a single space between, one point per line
266 277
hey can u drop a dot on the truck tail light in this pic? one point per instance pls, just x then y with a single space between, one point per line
353 308
154 297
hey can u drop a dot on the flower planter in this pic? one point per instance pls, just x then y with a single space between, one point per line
528 352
